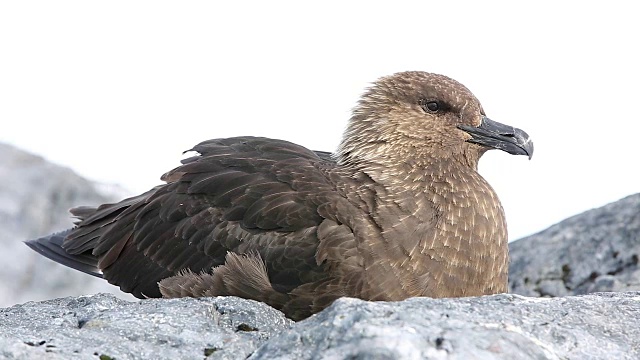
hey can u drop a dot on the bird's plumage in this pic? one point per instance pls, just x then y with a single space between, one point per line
398 211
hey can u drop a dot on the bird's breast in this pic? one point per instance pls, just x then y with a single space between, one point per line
444 236
470 237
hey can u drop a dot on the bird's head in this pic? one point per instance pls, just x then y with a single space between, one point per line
412 113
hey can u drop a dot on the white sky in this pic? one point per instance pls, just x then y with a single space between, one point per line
118 89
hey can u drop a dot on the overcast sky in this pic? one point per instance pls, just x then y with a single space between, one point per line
116 90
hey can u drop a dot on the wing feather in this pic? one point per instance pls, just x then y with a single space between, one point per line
240 195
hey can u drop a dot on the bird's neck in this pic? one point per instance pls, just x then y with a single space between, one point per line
421 169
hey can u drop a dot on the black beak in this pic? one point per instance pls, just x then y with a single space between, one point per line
500 136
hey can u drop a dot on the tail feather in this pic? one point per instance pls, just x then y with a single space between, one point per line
50 246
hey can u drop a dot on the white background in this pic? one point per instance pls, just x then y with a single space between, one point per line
118 89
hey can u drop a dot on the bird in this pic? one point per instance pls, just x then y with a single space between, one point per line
399 210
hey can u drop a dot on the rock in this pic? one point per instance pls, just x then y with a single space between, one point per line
35 198
106 327
595 251
602 326
598 326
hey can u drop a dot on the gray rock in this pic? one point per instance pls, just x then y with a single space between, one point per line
595 251
602 326
35 198
102 325
599 326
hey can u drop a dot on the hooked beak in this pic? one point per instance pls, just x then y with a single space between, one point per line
500 136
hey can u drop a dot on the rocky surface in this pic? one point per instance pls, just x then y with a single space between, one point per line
35 198
597 250
104 327
600 326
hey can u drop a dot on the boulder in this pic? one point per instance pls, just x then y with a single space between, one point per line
35 198
595 251
597 326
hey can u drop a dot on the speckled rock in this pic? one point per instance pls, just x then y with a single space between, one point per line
599 326
595 251
102 325
35 198
602 326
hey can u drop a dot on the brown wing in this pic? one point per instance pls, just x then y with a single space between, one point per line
241 195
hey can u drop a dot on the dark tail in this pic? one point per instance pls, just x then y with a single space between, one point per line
51 246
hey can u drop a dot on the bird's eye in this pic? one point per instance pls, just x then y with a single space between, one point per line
430 106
